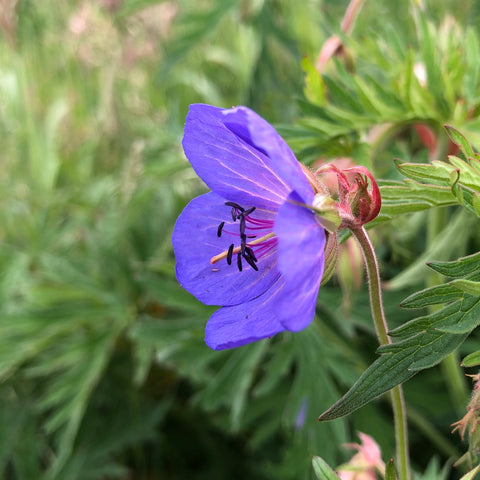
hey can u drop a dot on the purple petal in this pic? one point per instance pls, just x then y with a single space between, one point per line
238 325
195 242
258 133
301 242
231 167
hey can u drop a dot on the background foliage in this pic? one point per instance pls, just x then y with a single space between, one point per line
103 369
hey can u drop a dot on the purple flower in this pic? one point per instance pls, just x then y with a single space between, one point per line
250 245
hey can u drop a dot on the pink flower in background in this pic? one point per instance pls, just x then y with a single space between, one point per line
366 463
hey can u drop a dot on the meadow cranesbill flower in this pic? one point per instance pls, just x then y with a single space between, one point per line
252 245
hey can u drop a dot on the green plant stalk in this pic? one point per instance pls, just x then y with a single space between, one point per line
378 315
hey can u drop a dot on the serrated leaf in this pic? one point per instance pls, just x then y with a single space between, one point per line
460 316
322 470
431 296
427 341
393 367
471 360
459 139
467 286
476 203
468 175
457 268
411 196
436 172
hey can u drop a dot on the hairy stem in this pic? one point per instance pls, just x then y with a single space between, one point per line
378 315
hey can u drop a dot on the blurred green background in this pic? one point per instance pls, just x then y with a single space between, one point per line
103 369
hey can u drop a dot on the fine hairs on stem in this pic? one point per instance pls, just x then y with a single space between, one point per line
378 315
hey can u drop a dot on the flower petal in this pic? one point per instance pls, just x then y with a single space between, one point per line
258 133
248 322
195 242
228 165
301 243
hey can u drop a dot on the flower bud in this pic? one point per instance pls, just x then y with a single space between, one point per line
359 199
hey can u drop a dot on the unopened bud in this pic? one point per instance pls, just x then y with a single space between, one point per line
359 199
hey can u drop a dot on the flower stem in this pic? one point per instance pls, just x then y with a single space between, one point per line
378 315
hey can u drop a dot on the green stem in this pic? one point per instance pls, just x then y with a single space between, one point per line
378 315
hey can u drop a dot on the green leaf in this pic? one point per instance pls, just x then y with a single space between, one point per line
322 470
393 367
411 196
425 342
459 139
467 286
314 87
457 268
471 360
435 172
432 296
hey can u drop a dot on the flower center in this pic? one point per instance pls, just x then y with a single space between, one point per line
255 242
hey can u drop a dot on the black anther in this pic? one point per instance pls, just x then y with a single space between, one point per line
250 253
239 262
239 213
219 229
229 254
234 205
251 262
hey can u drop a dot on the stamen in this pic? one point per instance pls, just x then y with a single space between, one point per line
219 229
251 261
250 253
229 254
235 250
234 205
242 224
244 250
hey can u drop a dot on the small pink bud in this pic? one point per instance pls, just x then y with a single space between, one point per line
366 463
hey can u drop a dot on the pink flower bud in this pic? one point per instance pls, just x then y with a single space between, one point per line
366 463
359 199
